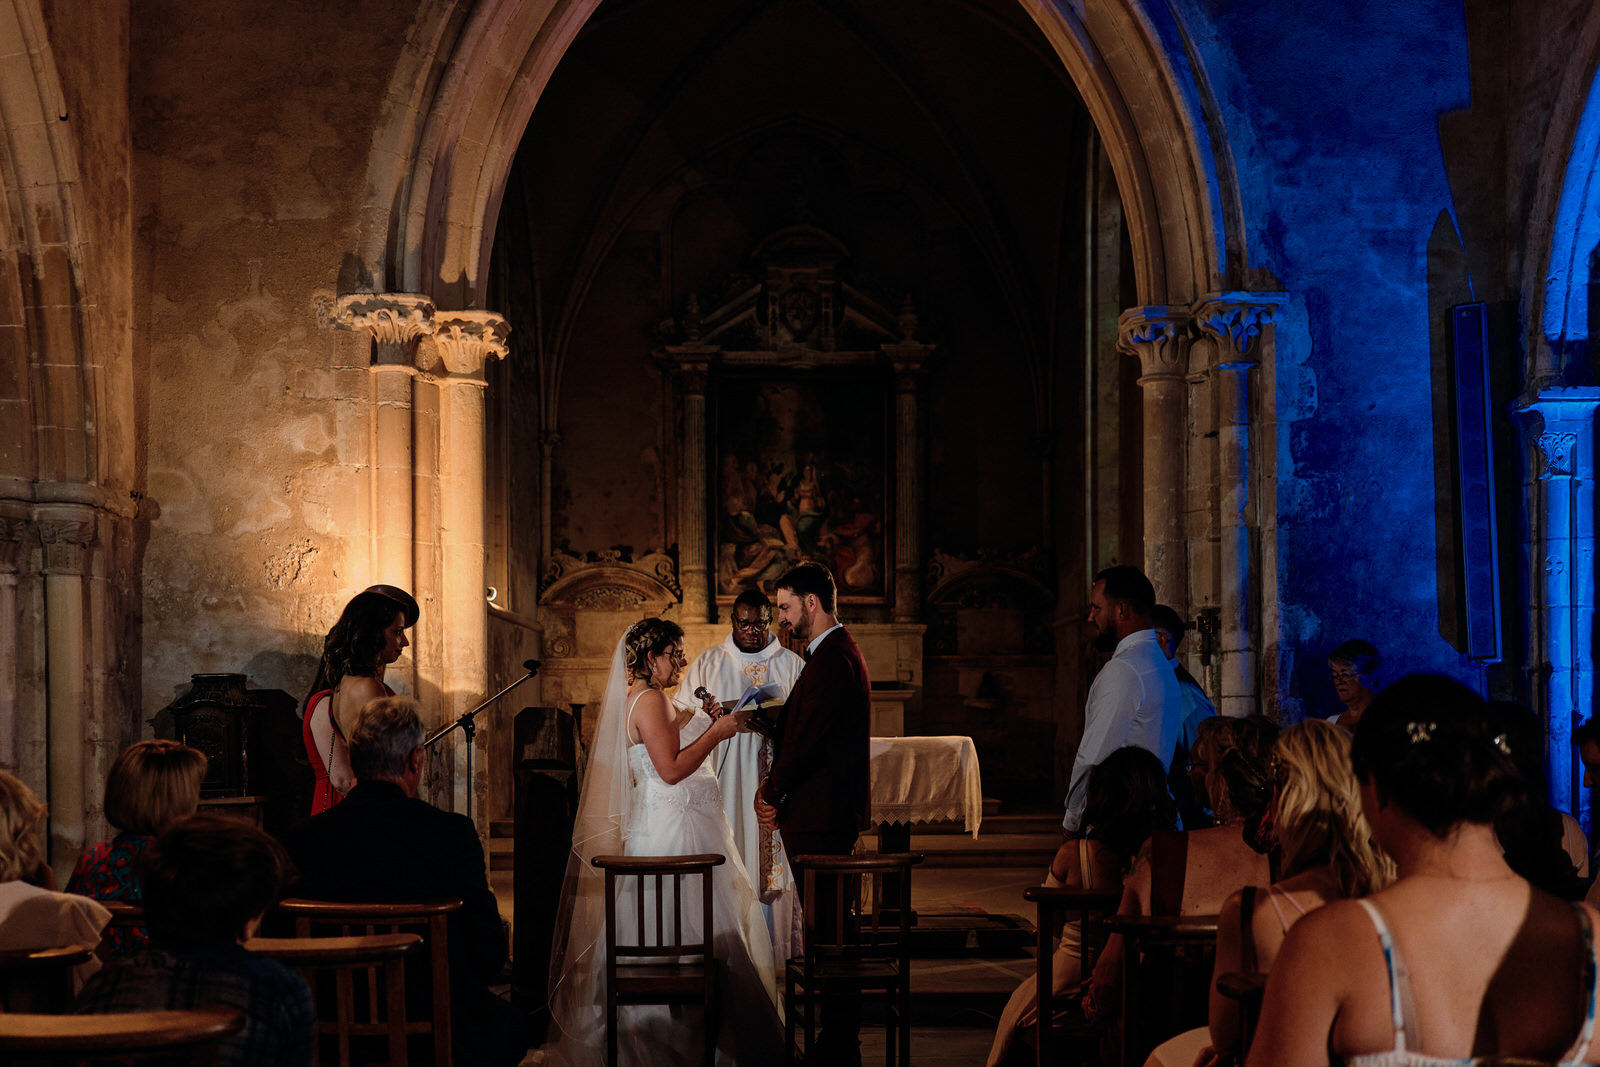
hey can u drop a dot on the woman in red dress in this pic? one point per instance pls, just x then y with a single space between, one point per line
370 635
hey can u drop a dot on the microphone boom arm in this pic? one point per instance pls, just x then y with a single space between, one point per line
466 721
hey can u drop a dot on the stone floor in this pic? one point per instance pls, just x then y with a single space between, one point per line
963 993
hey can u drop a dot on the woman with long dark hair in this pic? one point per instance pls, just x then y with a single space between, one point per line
370 635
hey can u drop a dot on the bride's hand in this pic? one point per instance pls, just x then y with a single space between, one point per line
725 726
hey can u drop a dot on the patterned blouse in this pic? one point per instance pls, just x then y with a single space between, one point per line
110 871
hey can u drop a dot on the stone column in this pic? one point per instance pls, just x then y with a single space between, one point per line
908 359
13 528
67 532
395 321
465 341
690 366
1159 336
1234 321
1563 558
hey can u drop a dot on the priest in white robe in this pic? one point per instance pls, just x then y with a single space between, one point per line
751 656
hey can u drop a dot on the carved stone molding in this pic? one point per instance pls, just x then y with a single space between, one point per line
690 366
1234 321
568 577
466 340
393 319
1020 579
1557 451
1159 336
909 360
13 531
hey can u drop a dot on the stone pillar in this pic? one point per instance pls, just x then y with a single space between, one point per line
548 443
1159 336
690 366
395 321
67 532
13 528
1563 557
465 341
908 359
1234 321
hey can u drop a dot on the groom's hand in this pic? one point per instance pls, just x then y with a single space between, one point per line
766 814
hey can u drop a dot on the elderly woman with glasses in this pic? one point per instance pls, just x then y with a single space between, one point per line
1354 666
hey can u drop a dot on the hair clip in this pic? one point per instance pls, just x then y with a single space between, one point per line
1421 731
1499 741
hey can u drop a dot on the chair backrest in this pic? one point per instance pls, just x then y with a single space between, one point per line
196 1034
40 980
856 906
654 904
1248 989
377 1007
1058 905
126 921
343 919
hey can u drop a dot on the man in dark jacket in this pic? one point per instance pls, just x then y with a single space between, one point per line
818 791
381 843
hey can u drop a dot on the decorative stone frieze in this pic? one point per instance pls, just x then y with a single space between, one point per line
563 571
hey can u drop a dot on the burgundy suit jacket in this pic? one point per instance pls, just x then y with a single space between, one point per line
819 780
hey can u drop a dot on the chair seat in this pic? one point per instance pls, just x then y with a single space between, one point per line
115 1033
656 980
872 974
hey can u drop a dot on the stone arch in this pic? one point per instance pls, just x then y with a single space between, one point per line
454 134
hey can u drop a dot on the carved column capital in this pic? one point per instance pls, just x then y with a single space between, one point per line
394 320
1556 454
909 360
466 340
67 533
14 529
690 366
1234 321
1159 336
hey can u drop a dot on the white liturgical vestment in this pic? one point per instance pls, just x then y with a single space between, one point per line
726 671
1135 700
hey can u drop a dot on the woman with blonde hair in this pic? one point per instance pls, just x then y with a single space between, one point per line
1325 852
32 914
152 785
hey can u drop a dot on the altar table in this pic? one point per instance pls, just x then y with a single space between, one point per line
925 779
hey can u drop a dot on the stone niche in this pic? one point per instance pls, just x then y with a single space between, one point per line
991 667
586 603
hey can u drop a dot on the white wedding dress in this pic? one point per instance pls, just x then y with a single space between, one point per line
657 819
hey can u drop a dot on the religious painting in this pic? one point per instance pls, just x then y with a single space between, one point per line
802 475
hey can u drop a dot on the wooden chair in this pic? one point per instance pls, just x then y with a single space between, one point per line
342 919
194 1036
1166 977
856 943
685 971
40 980
382 1009
1248 990
1058 905
125 918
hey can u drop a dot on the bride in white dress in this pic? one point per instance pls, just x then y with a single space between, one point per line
648 791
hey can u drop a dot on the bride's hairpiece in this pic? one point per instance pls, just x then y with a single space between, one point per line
1420 731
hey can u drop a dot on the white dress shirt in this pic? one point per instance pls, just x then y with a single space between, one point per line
1135 700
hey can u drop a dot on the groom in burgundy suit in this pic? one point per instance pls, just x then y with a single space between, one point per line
817 792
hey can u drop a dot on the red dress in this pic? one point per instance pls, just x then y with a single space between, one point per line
325 795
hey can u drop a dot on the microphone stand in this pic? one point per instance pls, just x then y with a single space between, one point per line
469 726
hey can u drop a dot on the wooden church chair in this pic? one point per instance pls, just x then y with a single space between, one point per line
1166 977
375 1007
856 943
1057 906
40 980
664 966
191 1037
323 918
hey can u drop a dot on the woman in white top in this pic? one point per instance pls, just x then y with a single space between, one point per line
648 791
1460 959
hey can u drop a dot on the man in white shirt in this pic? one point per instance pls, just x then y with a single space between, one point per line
750 656
1135 698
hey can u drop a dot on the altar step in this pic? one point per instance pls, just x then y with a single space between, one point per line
1022 840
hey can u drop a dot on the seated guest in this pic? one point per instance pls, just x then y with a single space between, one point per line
1193 872
1127 801
207 881
1325 853
1534 833
382 844
152 785
1354 666
32 915
1458 960
1197 707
